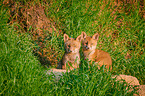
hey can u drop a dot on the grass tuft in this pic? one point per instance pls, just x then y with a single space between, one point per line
122 34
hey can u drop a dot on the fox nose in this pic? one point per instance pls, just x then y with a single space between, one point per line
86 47
69 50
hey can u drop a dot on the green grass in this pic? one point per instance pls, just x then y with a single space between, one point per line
89 82
20 71
120 34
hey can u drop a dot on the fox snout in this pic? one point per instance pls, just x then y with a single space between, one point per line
68 50
86 47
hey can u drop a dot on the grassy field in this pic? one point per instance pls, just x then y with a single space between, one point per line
122 34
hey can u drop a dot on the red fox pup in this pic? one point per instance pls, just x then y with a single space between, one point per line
72 55
89 50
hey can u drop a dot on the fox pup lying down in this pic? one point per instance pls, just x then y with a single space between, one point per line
93 54
72 55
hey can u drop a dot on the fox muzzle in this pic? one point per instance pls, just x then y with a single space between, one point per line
86 47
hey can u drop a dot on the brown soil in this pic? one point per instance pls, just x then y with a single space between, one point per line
32 19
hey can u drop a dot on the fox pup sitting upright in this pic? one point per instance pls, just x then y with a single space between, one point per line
72 55
93 54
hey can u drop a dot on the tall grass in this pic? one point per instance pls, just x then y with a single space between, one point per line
121 32
20 71
122 35
89 82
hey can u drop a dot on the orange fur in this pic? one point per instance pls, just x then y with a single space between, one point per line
72 55
89 50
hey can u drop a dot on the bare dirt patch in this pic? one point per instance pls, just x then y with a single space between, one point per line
32 19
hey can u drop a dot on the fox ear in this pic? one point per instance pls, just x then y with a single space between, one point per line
95 36
79 38
84 35
66 37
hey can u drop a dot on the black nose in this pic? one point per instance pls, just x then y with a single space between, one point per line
69 50
86 47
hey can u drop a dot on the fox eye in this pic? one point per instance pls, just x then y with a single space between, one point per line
86 43
68 45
